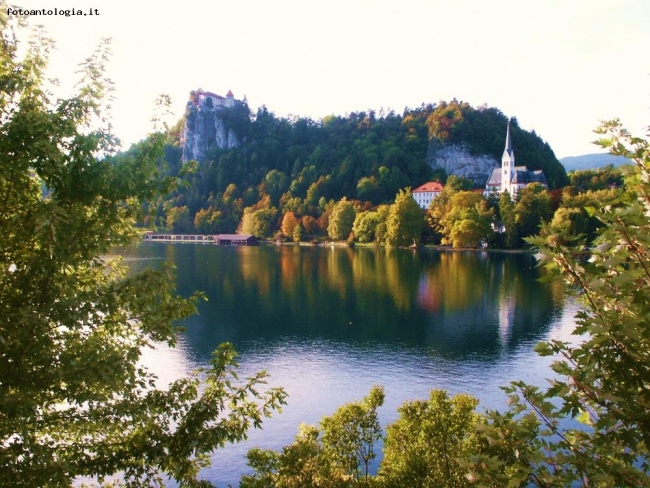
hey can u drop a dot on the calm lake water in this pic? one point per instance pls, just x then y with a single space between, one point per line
329 323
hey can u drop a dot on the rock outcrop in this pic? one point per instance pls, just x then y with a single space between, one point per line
456 159
204 126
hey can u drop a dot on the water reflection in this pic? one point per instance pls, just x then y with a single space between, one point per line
455 303
328 324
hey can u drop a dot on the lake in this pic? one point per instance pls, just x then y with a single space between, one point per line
328 323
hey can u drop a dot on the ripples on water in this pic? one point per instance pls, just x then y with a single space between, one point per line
473 343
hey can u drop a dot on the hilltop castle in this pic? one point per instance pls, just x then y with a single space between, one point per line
512 178
200 98
204 128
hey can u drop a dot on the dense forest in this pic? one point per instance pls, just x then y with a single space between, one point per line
302 166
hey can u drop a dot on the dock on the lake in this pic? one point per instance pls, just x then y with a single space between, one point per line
218 239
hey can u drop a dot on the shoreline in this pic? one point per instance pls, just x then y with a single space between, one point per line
201 239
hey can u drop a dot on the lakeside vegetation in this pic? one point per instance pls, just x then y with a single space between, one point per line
459 217
301 169
346 179
74 401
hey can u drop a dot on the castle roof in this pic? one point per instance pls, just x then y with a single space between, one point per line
210 94
434 186
229 94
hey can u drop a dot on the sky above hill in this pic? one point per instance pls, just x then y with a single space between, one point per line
558 66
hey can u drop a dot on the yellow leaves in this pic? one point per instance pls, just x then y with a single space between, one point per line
445 119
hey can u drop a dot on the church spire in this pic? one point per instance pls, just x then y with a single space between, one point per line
508 165
508 141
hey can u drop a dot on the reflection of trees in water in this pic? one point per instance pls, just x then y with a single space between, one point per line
456 303
484 302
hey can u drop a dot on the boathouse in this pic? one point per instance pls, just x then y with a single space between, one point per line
235 240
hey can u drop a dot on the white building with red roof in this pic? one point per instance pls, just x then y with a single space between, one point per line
200 98
427 192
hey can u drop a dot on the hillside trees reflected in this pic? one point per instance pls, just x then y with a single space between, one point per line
456 303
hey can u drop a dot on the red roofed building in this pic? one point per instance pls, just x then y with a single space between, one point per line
200 98
427 192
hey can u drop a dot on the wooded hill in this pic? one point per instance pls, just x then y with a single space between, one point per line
300 164
592 161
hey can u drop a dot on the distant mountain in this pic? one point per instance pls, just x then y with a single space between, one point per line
592 161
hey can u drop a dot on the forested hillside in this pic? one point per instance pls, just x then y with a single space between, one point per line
302 165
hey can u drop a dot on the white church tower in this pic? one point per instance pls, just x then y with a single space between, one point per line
512 178
508 165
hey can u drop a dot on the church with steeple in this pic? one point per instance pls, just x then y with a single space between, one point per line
512 178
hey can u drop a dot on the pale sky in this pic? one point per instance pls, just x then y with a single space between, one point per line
558 66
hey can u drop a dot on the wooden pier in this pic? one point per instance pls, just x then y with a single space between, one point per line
218 239
150 237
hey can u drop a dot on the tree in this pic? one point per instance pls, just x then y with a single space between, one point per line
423 447
274 184
365 226
464 219
569 224
73 399
440 206
298 465
179 220
596 179
337 453
603 380
405 220
575 205
341 220
383 211
209 221
310 225
533 208
470 227
509 221
259 222
445 120
349 435
368 189
289 223
297 233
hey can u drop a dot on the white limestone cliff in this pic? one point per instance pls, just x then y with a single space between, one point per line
203 130
457 160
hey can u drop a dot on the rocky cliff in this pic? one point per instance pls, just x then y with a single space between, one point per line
204 129
456 159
